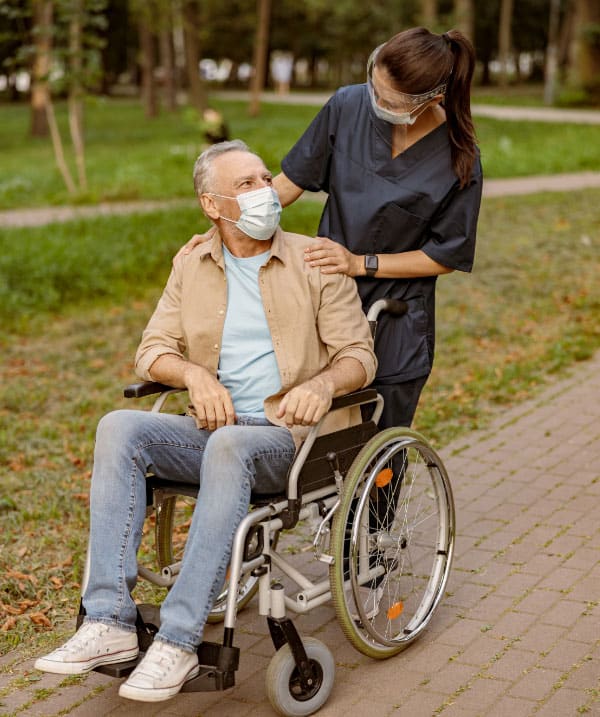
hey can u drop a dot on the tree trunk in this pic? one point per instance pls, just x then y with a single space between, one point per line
551 65
57 145
168 66
167 58
197 91
585 46
76 91
429 13
147 65
40 89
504 39
261 46
464 15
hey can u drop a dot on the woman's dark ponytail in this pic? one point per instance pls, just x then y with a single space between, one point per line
418 61
457 104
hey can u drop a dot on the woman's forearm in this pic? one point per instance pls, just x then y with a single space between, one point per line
288 191
406 265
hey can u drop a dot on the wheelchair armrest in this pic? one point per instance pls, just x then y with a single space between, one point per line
146 388
149 388
356 398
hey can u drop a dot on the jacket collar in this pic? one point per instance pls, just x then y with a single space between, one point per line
214 248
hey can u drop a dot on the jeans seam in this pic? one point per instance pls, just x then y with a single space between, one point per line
127 532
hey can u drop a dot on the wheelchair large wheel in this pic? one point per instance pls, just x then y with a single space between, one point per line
284 690
392 540
172 524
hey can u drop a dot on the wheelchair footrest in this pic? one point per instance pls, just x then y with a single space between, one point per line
218 664
119 669
210 680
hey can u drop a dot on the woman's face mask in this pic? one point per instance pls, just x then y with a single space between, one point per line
260 212
391 105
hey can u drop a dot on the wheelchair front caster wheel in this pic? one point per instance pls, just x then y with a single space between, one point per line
284 689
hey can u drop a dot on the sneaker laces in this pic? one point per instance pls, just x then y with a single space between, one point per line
87 633
163 659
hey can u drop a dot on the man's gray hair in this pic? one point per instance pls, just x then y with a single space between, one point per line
203 165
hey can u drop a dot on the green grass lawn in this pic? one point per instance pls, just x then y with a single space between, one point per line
129 157
529 310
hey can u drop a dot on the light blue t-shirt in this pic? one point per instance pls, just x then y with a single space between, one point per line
247 364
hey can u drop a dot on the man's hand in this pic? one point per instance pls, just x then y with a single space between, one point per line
307 403
333 258
210 399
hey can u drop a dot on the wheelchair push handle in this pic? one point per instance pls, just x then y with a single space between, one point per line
395 307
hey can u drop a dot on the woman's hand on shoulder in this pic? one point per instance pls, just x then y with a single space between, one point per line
193 242
333 258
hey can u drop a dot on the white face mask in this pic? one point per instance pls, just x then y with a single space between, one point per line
260 212
388 115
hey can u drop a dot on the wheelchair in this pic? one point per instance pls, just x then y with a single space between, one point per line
379 508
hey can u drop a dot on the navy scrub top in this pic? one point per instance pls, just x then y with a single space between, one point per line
380 205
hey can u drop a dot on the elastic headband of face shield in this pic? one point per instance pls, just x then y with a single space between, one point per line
404 98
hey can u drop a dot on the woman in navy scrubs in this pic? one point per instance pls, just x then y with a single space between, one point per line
398 159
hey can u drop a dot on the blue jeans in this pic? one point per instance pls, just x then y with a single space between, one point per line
227 464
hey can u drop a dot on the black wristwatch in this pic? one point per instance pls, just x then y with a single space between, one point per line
371 264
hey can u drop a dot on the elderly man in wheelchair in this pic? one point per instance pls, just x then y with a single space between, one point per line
262 345
271 353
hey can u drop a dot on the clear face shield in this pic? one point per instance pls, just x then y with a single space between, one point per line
393 106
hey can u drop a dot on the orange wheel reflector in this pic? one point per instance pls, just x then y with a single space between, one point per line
395 610
228 573
384 477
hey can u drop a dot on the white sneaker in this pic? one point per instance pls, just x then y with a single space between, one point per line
161 673
92 645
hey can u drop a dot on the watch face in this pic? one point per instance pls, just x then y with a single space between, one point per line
371 263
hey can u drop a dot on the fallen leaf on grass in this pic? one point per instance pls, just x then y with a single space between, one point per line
10 610
38 618
17 464
17 575
63 564
8 624
75 460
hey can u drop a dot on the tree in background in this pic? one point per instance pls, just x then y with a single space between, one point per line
42 13
261 50
191 38
464 13
584 68
76 52
167 54
145 11
504 39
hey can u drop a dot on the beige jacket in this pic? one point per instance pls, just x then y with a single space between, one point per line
315 319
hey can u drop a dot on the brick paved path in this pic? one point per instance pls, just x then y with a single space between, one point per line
519 632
